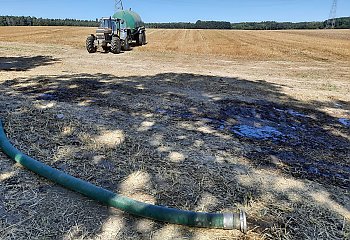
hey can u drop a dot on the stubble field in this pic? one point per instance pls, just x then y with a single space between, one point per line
197 120
245 45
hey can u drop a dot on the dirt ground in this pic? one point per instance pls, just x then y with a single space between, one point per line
252 120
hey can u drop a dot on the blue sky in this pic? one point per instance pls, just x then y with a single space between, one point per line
181 10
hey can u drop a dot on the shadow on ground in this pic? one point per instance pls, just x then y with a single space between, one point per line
195 142
24 63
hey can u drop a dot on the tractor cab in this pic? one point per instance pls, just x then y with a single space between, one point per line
108 28
107 23
110 23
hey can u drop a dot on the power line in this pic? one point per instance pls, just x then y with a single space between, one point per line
332 15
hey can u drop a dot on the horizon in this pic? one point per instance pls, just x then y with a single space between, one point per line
186 11
203 20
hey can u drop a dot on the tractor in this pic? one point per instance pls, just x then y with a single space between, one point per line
111 35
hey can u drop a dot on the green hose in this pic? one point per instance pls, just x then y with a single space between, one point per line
170 215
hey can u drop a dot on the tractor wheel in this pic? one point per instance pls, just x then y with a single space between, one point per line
115 45
90 44
126 45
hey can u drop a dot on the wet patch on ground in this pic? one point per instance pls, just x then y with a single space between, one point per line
257 132
265 122
281 131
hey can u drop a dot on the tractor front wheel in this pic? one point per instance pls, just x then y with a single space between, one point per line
115 45
90 44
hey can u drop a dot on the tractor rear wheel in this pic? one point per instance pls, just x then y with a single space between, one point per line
115 45
90 44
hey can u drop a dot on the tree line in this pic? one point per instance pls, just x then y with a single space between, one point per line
198 25
341 23
33 21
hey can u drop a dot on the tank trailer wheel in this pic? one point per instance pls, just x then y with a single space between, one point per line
144 38
115 45
90 44
126 45
139 39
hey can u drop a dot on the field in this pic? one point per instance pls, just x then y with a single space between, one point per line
197 120
244 45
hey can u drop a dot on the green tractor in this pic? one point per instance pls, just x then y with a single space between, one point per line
110 36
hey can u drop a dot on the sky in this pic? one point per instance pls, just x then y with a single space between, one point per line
181 10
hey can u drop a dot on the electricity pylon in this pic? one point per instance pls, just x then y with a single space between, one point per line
119 5
332 15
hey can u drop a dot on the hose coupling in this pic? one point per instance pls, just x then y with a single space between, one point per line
236 221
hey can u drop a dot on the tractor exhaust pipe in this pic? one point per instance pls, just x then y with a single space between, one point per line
228 221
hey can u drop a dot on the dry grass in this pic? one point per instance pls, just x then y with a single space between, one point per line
157 125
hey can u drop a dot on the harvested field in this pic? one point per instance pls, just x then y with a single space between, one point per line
254 45
293 45
197 120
